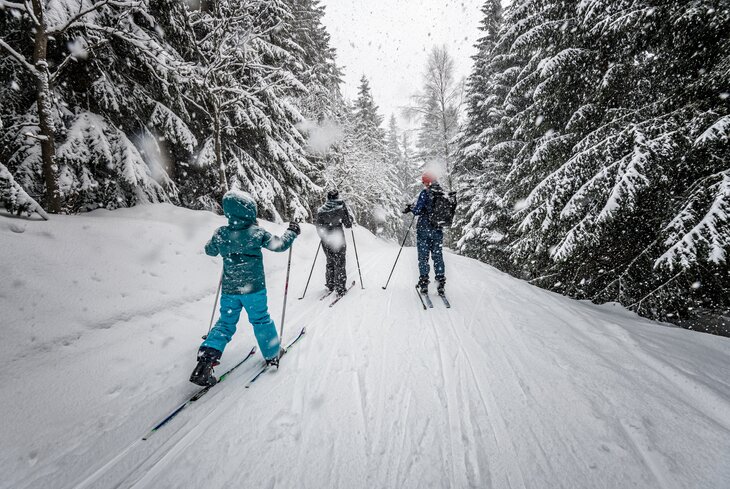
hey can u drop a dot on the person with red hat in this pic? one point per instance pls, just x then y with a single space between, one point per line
429 232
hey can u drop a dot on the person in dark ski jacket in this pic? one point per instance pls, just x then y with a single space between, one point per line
429 239
244 282
331 217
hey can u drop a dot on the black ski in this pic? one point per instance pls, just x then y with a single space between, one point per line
337 299
425 299
265 367
446 301
197 396
326 294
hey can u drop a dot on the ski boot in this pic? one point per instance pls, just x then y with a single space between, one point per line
423 284
274 362
203 373
441 279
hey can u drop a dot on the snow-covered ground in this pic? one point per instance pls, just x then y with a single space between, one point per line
513 387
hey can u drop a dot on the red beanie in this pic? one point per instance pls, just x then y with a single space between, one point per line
428 178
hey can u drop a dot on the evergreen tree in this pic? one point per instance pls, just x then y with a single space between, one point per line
159 101
613 132
318 70
245 51
483 216
110 71
15 199
405 174
321 103
363 172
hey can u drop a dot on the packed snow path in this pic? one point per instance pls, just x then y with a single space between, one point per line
514 387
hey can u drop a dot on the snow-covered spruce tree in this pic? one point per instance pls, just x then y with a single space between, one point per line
15 199
483 215
406 171
322 105
641 198
251 141
108 75
315 66
362 171
616 125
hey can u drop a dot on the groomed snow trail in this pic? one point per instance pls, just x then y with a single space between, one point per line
514 387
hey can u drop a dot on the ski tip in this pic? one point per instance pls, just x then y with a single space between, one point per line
383 288
253 350
304 330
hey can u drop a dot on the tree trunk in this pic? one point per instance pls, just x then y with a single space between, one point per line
44 101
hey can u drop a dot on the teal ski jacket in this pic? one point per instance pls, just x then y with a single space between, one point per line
240 245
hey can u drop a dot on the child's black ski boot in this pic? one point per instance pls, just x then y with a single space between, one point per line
274 362
203 373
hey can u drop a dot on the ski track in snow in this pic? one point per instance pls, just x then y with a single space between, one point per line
513 387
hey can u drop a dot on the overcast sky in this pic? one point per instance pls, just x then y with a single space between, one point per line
388 40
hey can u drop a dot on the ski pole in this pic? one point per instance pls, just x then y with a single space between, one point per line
286 292
399 251
312 270
215 304
354 245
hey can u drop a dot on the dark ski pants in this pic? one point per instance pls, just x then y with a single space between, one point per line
430 241
335 276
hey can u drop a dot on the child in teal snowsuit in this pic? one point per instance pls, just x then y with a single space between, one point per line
244 283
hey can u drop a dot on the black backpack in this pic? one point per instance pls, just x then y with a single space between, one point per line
443 208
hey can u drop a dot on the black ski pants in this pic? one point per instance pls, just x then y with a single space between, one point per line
335 276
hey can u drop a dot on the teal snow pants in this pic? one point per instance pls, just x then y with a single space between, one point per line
258 315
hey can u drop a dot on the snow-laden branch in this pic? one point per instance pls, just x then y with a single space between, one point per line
96 6
141 44
15 198
639 302
72 57
709 234
19 58
12 5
